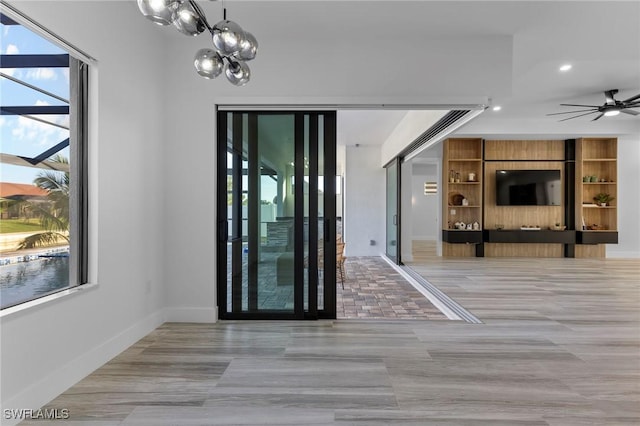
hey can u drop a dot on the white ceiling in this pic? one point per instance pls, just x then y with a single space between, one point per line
601 39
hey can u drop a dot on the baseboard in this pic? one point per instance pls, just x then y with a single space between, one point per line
201 315
616 254
40 393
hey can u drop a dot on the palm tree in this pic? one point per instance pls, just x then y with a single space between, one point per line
54 215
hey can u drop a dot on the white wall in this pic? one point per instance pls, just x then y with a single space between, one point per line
628 199
424 207
48 348
365 201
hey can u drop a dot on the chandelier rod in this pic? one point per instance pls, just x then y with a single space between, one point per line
201 15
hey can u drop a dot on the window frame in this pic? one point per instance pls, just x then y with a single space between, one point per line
79 86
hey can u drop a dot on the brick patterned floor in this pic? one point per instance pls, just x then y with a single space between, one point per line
373 289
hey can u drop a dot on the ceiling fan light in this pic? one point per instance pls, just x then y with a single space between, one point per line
158 11
612 113
187 21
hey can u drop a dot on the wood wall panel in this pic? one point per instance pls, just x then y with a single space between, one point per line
513 217
523 250
591 251
458 250
524 150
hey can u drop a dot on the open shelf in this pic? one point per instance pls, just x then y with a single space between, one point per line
596 159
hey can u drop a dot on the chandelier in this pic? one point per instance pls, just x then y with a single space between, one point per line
232 45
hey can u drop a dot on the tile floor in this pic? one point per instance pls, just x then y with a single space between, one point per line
373 289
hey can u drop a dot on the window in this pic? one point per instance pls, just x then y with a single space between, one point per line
43 199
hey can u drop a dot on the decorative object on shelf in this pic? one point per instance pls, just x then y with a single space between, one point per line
452 176
461 225
469 226
476 226
593 178
596 227
603 199
232 46
465 202
558 227
499 226
457 177
586 178
471 177
455 199
529 228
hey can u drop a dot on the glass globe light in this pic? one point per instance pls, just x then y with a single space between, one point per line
187 21
158 11
208 63
227 37
238 73
248 47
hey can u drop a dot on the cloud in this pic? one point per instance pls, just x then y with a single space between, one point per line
12 49
37 133
42 74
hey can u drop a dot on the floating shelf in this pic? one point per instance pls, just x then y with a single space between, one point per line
542 236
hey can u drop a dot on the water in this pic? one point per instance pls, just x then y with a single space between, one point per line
20 282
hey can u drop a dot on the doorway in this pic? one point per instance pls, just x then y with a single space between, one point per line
276 215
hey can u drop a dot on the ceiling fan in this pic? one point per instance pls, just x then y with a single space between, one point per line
610 108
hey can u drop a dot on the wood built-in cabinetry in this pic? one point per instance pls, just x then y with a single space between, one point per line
579 227
596 173
462 191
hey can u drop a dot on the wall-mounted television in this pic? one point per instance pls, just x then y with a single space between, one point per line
528 188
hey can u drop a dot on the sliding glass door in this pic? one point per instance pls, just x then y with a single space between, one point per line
393 210
276 215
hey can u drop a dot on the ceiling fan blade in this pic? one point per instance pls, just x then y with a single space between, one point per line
576 116
631 99
608 95
630 112
571 112
589 106
601 114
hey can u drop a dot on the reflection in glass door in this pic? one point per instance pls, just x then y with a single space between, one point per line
393 210
276 215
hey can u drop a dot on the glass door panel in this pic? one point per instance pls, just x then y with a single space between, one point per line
392 231
269 250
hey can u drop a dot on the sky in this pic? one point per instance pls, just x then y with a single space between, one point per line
20 135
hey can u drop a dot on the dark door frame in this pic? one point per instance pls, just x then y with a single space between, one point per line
328 310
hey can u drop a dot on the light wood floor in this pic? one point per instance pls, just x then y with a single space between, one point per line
560 345
423 250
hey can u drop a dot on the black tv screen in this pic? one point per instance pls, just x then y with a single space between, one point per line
528 188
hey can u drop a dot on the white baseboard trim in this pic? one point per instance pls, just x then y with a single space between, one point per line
43 391
201 315
615 254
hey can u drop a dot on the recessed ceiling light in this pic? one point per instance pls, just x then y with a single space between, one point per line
497 108
565 67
